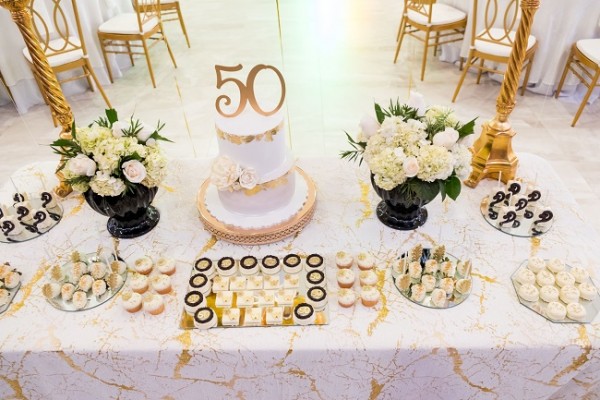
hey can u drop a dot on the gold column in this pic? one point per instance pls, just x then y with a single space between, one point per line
492 152
61 111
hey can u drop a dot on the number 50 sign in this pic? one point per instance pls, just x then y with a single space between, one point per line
247 94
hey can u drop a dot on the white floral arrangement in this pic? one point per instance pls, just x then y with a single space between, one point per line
416 148
111 156
226 174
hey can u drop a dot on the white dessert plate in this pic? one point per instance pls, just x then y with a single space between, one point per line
592 307
521 227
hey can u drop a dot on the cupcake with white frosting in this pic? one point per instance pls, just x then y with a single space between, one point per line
365 261
138 283
153 303
343 259
367 278
166 265
132 301
369 296
143 265
161 283
346 297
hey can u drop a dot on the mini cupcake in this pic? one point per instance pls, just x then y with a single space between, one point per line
143 265
153 303
315 278
367 278
193 300
314 262
587 291
132 301
166 265
556 311
205 266
292 264
66 291
226 266
51 290
549 293
114 281
79 299
463 286
85 282
12 279
580 274
205 318
118 267
428 282
365 261
438 298
529 292
369 296
555 265
98 287
270 265
161 283
201 283
317 297
343 259
138 283
346 297
564 278
415 270
249 265
403 282
536 264
525 276
447 285
431 267
345 278
569 294
576 311
304 314
418 293
97 270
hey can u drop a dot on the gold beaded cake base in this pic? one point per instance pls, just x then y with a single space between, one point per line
270 234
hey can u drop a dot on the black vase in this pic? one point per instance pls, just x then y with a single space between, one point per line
130 214
399 211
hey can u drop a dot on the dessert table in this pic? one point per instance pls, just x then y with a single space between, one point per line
16 70
557 25
488 347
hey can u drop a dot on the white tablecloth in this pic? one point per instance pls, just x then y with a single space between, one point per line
489 347
16 70
557 25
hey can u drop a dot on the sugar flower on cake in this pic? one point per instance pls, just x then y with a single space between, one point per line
226 174
415 146
111 156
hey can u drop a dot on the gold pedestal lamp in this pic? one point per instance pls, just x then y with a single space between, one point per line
19 10
492 152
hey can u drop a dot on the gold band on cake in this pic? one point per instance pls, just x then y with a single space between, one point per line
282 180
237 139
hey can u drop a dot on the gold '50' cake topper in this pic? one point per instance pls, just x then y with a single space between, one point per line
247 94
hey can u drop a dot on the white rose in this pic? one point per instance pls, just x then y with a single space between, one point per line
248 178
369 126
118 127
82 165
134 171
417 100
224 172
411 166
145 133
446 138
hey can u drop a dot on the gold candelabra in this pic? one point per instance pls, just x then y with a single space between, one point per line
492 151
59 107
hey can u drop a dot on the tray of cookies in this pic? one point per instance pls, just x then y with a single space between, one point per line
556 291
250 292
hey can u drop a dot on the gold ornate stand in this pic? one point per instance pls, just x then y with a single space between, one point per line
492 152
61 111
259 236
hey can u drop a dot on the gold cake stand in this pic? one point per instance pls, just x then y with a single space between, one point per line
271 234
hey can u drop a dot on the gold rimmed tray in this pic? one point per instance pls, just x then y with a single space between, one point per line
259 236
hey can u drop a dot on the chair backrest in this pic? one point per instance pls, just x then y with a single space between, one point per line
423 7
53 27
499 18
146 10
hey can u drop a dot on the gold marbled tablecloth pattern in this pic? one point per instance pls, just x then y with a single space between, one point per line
488 347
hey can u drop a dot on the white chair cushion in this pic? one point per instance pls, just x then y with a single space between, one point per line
501 50
126 24
441 14
590 48
70 54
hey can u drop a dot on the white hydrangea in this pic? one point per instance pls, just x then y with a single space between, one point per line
106 185
462 161
155 163
388 169
88 137
435 163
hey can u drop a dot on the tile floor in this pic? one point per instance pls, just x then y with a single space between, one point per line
336 57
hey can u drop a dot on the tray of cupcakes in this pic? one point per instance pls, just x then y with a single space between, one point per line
85 282
28 217
360 283
517 209
432 278
10 282
251 291
557 291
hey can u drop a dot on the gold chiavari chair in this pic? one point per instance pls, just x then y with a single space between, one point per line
494 42
63 50
6 87
141 26
432 23
584 63
170 10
